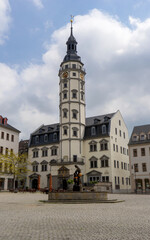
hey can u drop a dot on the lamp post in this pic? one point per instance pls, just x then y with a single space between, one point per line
50 180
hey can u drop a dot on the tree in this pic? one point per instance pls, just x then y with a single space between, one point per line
15 165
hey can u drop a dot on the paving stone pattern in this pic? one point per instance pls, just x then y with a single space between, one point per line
23 217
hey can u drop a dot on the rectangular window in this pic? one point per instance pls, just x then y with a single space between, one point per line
74 158
1 150
114 163
44 153
65 131
7 137
74 74
115 180
73 65
120 149
136 167
12 138
35 168
65 85
118 180
65 95
6 151
44 167
93 164
35 154
120 133
119 122
121 165
134 152
144 168
53 151
74 95
122 180
124 151
114 147
124 135
2 135
116 131
142 151
117 164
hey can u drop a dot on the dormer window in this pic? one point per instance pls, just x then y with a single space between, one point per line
37 139
45 138
103 129
142 137
96 121
93 131
134 137
55 136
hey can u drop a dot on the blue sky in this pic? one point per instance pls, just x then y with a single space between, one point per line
113 42
33 25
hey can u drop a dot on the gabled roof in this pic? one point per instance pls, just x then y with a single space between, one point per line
7 126
137 130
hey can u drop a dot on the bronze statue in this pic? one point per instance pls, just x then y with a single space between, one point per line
77 179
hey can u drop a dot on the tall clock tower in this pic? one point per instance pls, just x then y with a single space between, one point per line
72 103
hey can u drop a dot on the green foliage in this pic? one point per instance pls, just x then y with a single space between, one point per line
93 182
70 181
14 164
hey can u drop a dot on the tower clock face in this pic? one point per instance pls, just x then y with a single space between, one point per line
65 74
81 76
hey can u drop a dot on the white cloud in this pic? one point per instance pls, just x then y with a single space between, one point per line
38 3
117 65
5 20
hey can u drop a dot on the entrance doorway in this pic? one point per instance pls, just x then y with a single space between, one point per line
34 183
65 185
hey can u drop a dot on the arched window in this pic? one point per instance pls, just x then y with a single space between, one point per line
93 131
103 129
37 139
45 138
55 136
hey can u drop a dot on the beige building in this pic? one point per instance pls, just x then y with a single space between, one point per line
139 155
98 145
9 141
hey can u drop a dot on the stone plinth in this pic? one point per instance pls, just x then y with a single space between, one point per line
77 196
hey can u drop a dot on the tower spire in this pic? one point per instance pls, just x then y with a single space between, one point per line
71 20
71 46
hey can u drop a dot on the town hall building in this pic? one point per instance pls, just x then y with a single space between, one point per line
98 145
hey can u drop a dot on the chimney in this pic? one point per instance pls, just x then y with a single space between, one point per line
5 121
1 118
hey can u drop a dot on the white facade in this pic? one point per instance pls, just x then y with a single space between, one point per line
139 153
9 141
97 145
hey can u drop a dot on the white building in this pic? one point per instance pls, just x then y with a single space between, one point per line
9 141
139 154
98 145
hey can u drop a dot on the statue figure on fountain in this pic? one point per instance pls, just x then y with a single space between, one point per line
77 179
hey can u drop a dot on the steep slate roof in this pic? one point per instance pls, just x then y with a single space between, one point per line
9 127
90 120
138 130
46 128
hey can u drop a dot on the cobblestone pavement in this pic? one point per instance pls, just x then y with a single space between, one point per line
23 217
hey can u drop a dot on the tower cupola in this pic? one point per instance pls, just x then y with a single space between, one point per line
71 47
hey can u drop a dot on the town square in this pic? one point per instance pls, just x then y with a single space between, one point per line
24 216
